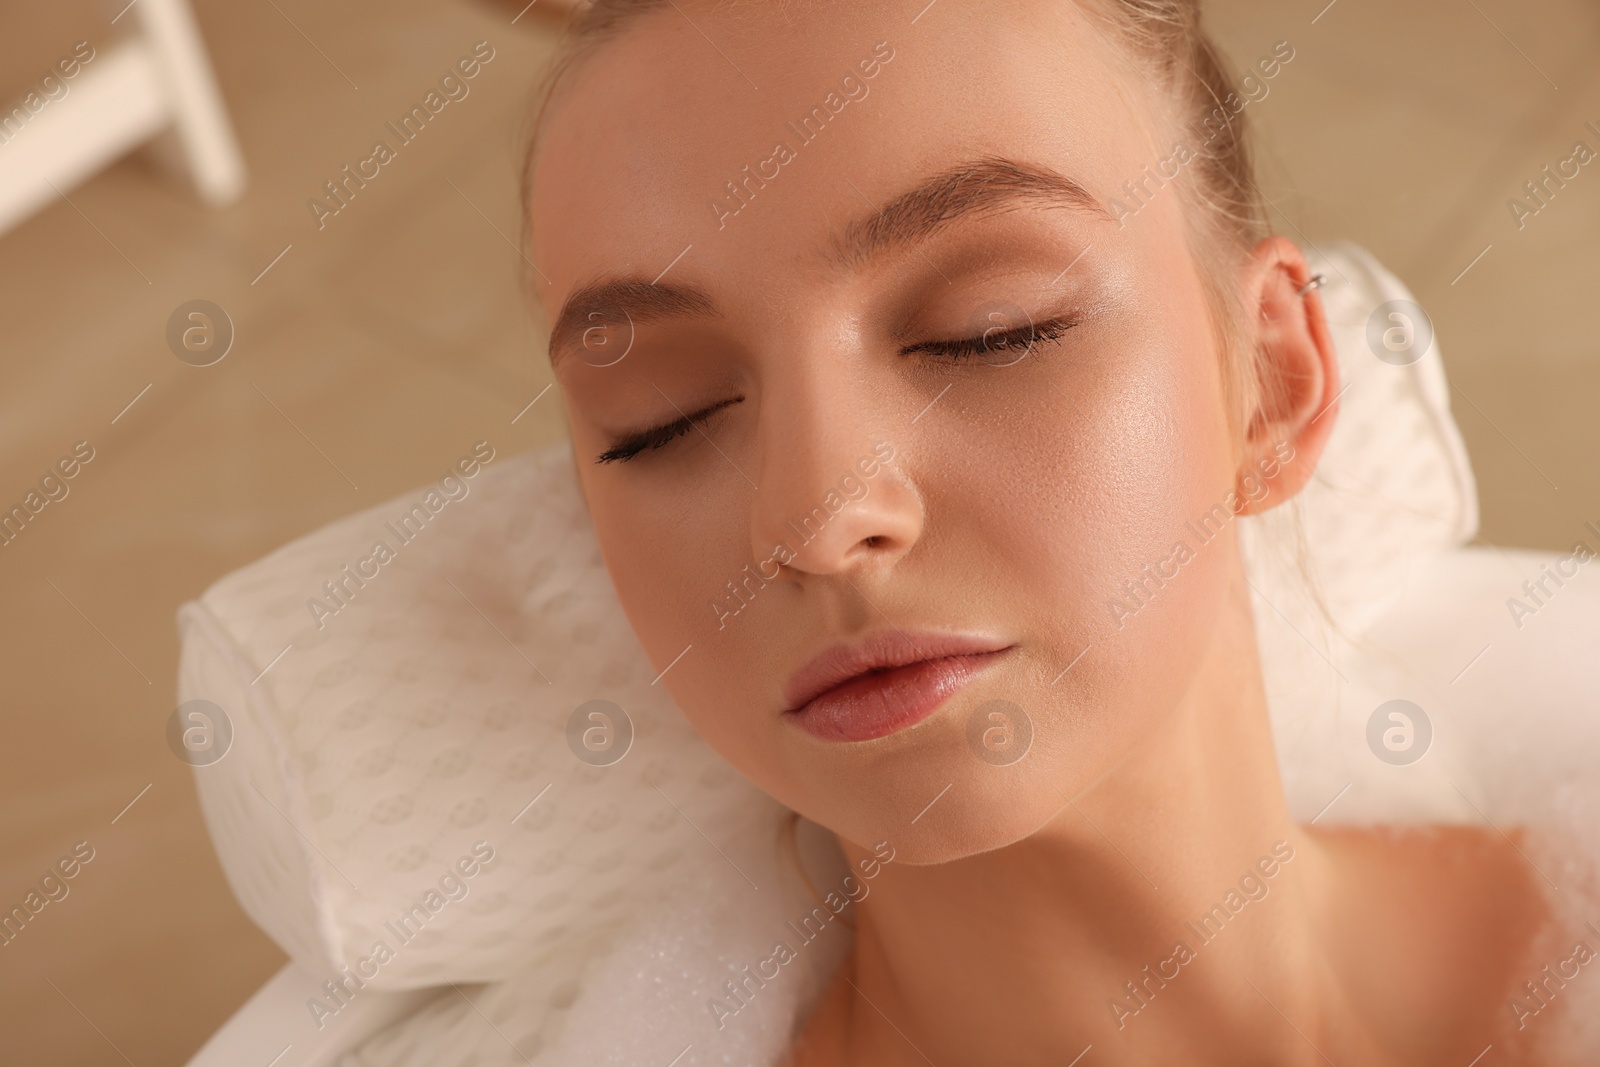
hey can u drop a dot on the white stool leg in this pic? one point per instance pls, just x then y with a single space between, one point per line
199 114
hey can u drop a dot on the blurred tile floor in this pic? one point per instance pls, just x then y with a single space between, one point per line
398 334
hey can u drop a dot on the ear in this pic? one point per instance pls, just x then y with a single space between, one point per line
1297 376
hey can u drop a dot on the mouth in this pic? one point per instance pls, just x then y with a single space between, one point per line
884 684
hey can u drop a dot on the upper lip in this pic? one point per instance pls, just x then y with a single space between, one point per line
883 650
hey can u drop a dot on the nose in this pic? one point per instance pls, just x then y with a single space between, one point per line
834 496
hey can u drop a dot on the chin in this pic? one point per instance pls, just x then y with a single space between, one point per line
974 835
986 820
900 796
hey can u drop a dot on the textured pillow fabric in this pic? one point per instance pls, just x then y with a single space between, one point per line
402 716
429 716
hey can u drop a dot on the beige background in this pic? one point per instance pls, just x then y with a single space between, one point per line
396 336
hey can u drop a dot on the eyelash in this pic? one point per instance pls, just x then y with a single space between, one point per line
656 437
660 436
1022 337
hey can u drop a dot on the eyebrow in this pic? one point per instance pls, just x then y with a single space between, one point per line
980 187
975 188
597 305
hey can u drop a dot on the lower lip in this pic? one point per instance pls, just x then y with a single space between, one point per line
884 702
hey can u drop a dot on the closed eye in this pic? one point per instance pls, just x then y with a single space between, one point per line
1013 343
656 437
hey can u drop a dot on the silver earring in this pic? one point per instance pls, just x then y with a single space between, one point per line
1315 283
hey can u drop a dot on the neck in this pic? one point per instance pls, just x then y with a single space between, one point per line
1136 918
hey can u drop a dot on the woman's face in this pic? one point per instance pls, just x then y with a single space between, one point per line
906 180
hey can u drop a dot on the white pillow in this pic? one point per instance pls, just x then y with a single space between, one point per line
374 746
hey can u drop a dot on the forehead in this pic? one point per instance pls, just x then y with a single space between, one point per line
742 144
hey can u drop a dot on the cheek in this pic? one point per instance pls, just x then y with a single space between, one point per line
660 560
1102 492
675 553
1128 577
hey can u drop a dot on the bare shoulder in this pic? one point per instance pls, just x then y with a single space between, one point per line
1439 927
